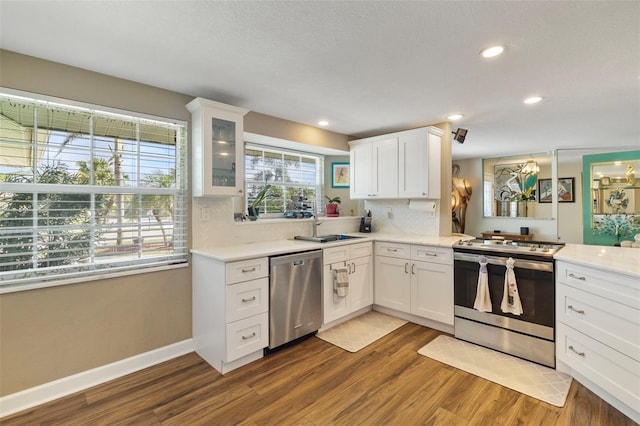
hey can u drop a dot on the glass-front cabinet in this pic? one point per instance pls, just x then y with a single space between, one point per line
612 212
217 148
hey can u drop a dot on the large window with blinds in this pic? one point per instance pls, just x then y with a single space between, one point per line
294 179
85 190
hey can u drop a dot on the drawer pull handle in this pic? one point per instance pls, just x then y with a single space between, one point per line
251 299
578 353
249 269
579 311
390 249
249 336
577 277
431 254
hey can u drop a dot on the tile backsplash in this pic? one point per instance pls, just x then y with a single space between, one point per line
216 226
396 217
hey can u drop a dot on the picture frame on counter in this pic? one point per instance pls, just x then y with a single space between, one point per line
566 190
340 175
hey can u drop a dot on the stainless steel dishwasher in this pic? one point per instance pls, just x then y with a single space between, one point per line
295 296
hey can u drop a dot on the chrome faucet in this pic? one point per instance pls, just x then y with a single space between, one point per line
315 222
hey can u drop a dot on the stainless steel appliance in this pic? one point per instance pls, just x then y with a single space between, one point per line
530 335
295 296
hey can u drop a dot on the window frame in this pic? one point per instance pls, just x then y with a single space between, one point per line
319 176
177 252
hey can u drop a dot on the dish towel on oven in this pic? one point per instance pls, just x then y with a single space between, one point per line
511 299
483 299
340 282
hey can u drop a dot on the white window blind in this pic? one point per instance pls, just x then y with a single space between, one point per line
84 190
295 179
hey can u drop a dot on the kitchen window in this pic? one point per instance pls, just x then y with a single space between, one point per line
85 190
295 179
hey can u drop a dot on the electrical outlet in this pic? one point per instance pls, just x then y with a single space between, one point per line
205 214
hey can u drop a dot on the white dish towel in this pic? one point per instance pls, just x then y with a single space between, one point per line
483 298
340 282
511 298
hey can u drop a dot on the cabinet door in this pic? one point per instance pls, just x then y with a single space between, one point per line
360 283
432 291
361 159
217 148
413 157
392 283
333 307
385 168
419 164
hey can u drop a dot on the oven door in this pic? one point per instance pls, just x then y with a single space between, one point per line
535 281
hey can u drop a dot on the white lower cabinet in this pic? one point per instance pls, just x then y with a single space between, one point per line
230 311
356 259
598 333
415 279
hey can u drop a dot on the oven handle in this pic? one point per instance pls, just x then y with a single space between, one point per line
520 263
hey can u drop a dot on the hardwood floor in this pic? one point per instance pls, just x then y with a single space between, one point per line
316 383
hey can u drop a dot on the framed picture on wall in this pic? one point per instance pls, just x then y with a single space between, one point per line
566 190
340 175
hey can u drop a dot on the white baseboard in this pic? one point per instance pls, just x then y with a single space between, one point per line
67 385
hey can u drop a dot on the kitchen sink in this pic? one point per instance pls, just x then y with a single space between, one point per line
325 238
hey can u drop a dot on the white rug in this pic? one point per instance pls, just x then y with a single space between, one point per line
361 331
526 377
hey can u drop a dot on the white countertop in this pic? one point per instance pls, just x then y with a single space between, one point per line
246 251
613 259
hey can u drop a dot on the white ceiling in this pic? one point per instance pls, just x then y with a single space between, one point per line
369 67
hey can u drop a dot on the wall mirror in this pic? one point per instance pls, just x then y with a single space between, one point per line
612 212
511 186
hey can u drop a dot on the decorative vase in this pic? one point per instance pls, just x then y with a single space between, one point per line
253 213
332 210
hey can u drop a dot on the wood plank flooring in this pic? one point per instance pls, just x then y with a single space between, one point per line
316 383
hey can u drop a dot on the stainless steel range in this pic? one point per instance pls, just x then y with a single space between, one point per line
528 333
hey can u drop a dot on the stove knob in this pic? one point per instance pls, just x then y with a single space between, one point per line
460 242
469 243
545 249
533 248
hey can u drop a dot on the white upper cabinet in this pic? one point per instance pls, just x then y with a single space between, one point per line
374 168
419 163
217 148
399 165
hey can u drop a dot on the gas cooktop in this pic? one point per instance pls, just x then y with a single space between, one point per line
538 248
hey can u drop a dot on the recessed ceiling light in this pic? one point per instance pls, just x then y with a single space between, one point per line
533 100
454 117
492 51
323 123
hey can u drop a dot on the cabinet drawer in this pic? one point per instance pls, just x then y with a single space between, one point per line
617 287
246 270
609 322
335 254
247 336
361 250
432 254
612 371
401 251
247 299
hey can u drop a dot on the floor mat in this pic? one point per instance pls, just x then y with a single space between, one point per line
531 379
361 331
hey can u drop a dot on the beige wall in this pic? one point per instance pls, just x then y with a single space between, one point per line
55 332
